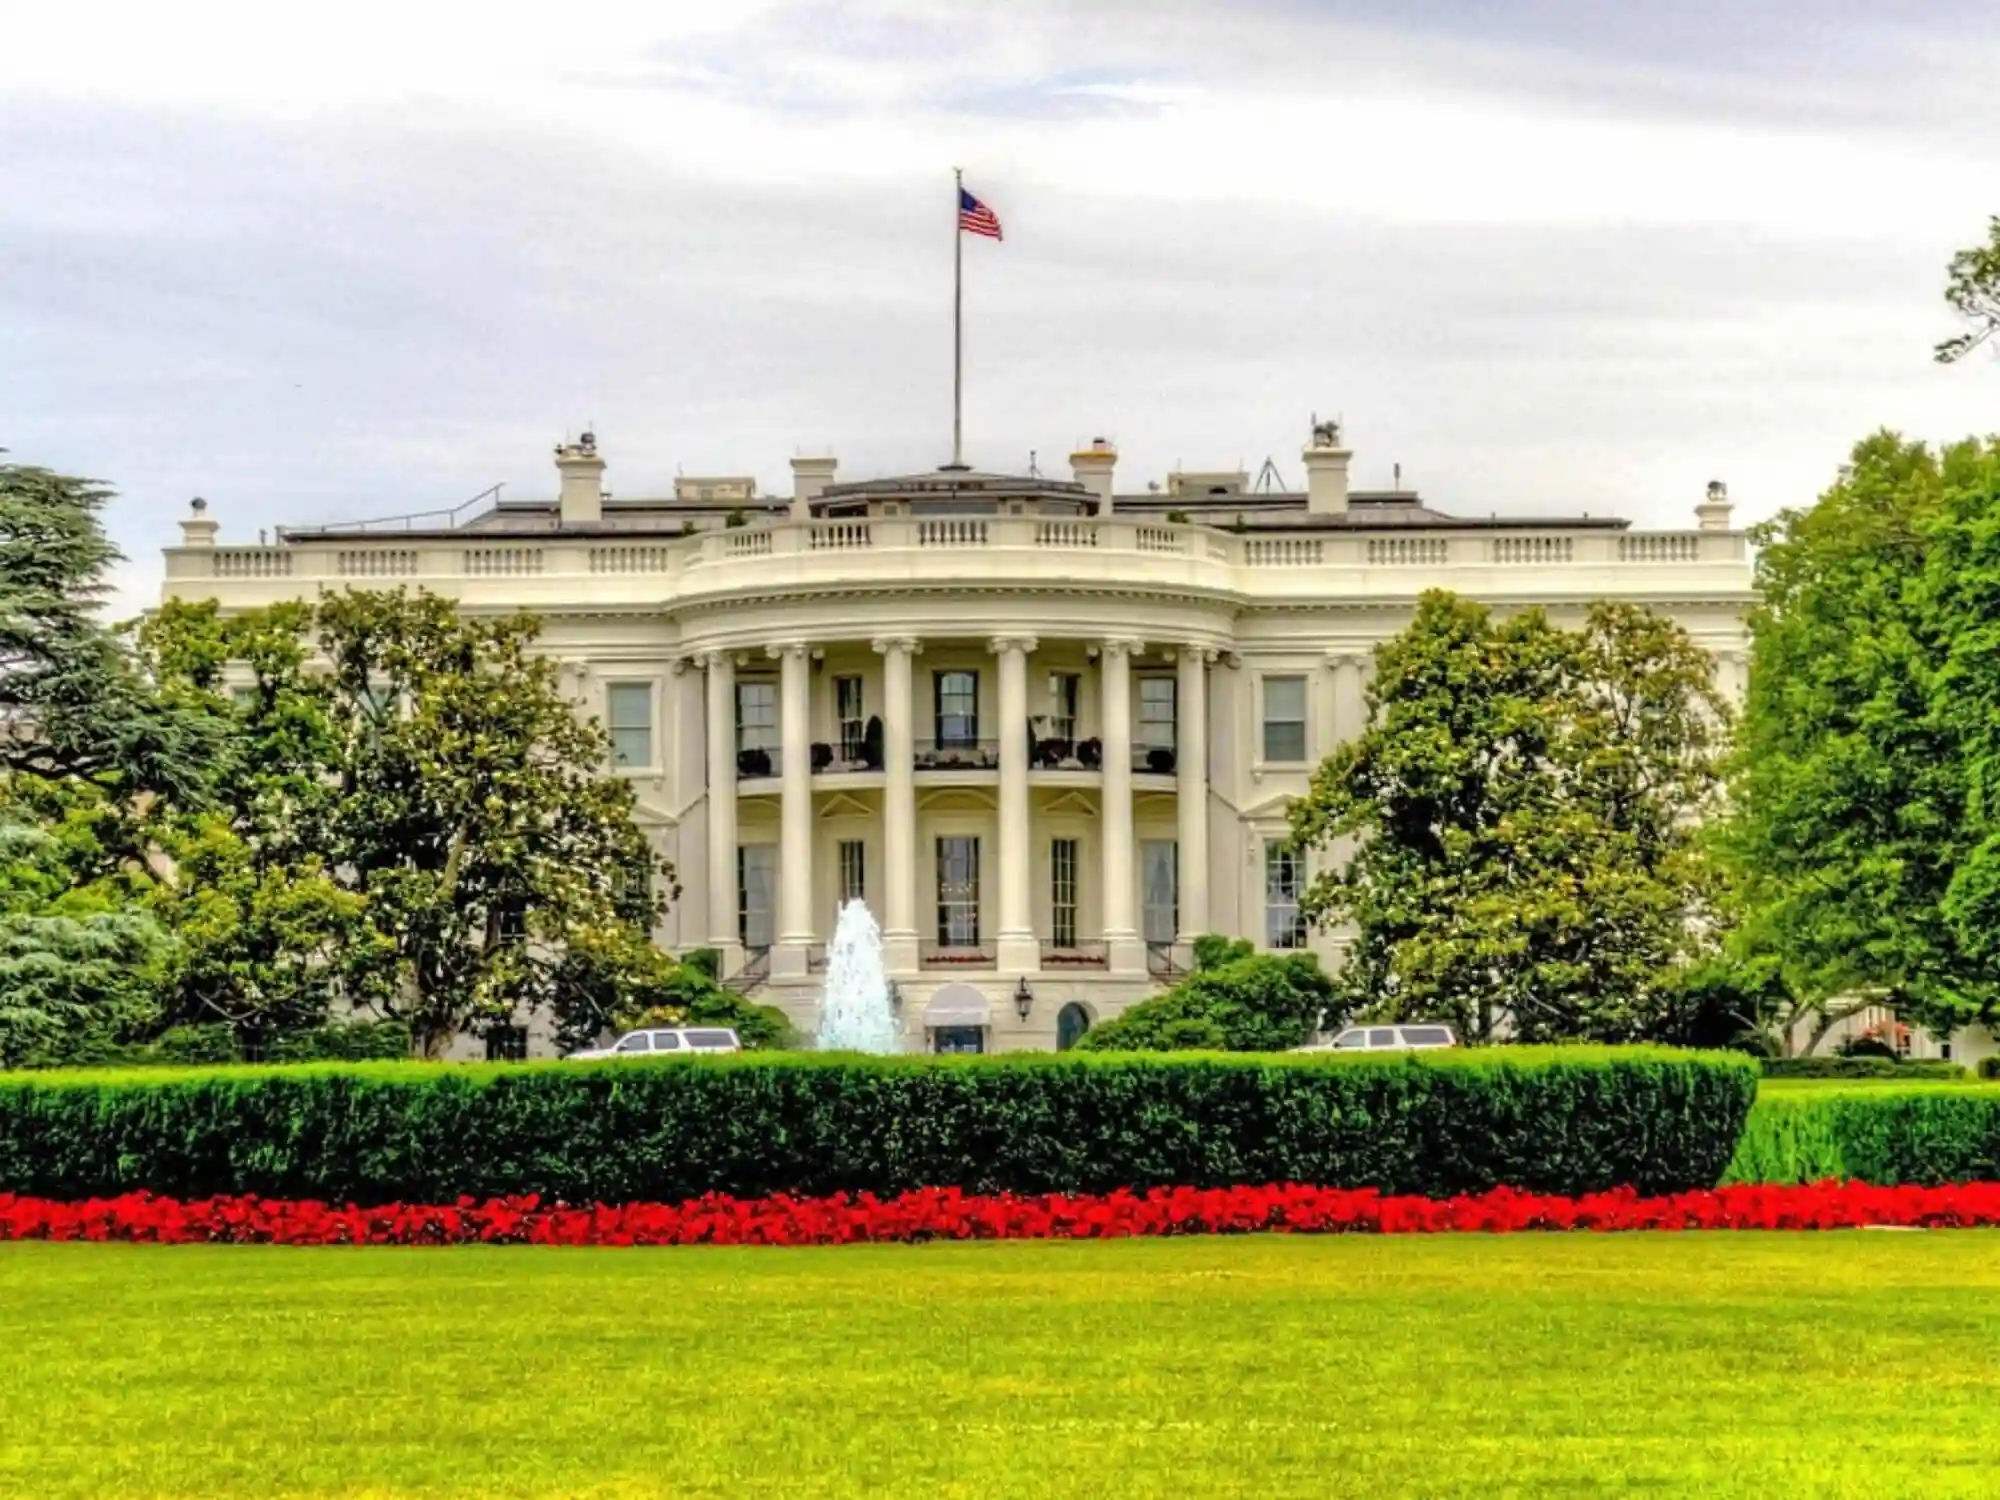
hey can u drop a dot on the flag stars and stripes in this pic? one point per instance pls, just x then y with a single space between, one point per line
975 217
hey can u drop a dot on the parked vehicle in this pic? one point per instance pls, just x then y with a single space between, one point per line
664 1040
1385 1039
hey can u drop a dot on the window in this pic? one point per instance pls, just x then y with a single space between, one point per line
958 892
1062 893
506 1044
756 880
956 695
1352 1041
1382 1036
847 711
958 1039
1065 689
638 1041
1072 1021
853 871
756 716
1157 712
1284 878
666 1041
1160 889
1427 1036
1284 719
628 706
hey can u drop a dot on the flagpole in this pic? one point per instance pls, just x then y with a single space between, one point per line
957 317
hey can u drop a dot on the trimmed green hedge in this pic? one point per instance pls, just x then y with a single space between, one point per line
1882 1135
1862 1067
1550 1120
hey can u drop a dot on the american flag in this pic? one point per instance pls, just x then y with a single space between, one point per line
975 217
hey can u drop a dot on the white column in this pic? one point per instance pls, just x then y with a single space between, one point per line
1191 790
1018 951
722 931
1121 932
899 808
1350 704
795 924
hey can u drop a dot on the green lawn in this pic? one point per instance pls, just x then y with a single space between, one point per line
1860 1364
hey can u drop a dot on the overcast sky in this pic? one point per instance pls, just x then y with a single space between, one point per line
342 261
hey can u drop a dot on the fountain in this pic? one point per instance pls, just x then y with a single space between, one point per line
854 1010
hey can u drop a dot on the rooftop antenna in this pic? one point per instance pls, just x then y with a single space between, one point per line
1033 471
1397 485
1269 480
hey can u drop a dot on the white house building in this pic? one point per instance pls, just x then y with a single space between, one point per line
1048 729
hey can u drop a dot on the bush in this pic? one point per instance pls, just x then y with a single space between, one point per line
1565 1120
1235 1000
1887 1136
1865 1065
1990 1067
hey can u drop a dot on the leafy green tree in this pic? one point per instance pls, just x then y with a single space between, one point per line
75 962
1522 814
1972 287
72 704
615 980
1849 790
1234 1000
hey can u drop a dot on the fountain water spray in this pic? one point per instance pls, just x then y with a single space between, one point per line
854 1010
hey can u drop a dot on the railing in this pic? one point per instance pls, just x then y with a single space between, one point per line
756 969
757 762
391 562
1409 551
1076 955
1283 551
1154 760
1061 753
503 562
1065 534
958 531
1534 549
1160 539
957 755
1660 547
252 562
741 543
634 558
936 955
840 536
1167 961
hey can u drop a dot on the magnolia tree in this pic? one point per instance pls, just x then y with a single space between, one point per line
1515 836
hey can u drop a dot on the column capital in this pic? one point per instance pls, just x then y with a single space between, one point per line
1119 645
1346 656
1004 643
908 644
711 659
778 650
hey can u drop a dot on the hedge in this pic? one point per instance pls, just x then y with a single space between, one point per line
1544 1120
1862 1067
1886 1136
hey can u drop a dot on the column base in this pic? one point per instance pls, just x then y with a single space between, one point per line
790 959
899 952
1019 953
1126 955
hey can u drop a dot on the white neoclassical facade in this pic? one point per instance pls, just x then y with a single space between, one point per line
1047 729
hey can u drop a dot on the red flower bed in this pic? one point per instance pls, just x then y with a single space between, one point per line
947 1214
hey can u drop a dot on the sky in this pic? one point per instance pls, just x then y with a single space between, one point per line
319 263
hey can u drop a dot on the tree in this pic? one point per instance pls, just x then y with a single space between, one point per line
1848 791
1523 812
615 980
1972 287
72 703
1234 1000
75 962
416 803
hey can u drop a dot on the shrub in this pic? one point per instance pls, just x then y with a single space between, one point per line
1887 1136
1864 1065
1557 1120
1235 1000
1990 1067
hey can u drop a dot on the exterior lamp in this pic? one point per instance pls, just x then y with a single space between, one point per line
895 996
1024 998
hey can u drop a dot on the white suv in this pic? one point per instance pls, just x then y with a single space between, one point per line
658 1041
1386 1039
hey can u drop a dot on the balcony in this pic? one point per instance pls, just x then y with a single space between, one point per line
759 762
1057 957
957 754
1154 760
934 955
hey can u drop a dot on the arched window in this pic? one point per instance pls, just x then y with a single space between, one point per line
1072 1021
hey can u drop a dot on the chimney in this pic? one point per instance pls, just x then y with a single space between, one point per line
810 477
1326 470
582 474
1092 467
197 530
1713 513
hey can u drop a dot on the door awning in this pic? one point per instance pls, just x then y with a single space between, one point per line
957 1005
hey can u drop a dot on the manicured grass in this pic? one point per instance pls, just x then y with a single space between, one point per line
1857 1364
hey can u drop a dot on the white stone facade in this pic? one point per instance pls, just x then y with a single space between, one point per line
1047 729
